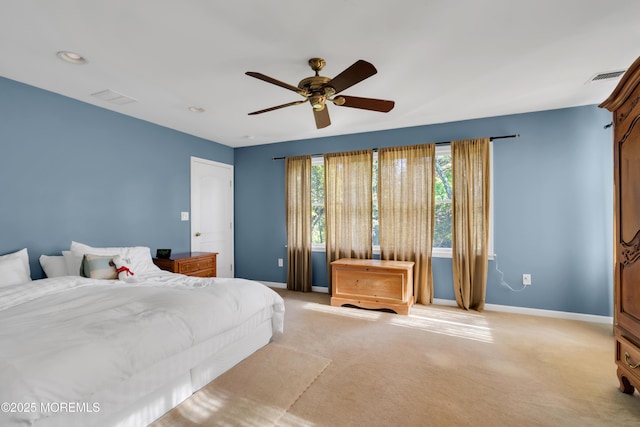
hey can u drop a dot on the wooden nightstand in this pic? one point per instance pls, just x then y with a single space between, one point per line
201 264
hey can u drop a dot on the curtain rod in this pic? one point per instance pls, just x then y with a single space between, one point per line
515 135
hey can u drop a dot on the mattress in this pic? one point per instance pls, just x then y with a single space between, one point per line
78 351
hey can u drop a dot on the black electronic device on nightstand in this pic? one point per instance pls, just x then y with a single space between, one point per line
163 253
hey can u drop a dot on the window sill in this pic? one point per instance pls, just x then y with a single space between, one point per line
435 253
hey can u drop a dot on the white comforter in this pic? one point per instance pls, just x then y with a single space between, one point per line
62 339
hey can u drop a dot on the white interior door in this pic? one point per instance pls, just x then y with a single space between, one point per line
212 211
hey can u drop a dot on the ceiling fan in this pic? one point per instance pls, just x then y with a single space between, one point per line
317 90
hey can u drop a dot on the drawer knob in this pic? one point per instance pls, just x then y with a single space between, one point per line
626 359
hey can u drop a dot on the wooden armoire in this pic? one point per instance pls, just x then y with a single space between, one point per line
624 103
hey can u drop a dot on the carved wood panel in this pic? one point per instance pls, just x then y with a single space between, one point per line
629 190
628 201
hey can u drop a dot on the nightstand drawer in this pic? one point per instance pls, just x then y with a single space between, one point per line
200 264
191 266
207 272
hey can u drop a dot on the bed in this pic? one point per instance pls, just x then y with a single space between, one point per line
96 351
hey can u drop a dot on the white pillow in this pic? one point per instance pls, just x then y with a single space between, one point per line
139 256
12 272
53 265
73 262
14 268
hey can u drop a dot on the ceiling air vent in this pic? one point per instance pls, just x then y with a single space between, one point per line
113 97
607 76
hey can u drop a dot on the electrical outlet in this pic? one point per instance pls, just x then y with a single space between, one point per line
526 279
280 262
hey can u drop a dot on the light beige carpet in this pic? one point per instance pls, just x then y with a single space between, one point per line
439 366
256 392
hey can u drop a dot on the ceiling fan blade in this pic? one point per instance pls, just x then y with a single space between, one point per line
381 105
322 117
276 82
277 107
356 73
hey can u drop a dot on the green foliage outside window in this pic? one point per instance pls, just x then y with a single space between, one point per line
318 234
443 190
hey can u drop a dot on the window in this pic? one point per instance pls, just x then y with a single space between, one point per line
443 194
318 230
318 226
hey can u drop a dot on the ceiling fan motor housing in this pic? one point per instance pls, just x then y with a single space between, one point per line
315 86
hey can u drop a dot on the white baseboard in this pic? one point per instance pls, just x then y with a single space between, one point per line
492 307
536 312
277 285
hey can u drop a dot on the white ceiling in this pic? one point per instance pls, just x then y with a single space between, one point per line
439 60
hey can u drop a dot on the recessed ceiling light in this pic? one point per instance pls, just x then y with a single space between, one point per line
72 57
197 109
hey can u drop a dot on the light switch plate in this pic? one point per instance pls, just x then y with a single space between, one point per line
184 216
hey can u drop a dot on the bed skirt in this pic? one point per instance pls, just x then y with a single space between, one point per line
171 381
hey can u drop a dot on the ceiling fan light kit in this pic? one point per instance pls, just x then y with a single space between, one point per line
317 90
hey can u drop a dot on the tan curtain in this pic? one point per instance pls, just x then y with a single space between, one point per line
470 234
298 217
406 211
348 205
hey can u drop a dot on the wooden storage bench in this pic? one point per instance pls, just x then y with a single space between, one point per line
373 284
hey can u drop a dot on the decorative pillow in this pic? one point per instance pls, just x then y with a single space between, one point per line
53 266
140 256
98 267
123 267
14 268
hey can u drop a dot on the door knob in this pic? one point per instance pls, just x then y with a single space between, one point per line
198 234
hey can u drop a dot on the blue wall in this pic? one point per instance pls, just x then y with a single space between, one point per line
73 171
552 206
